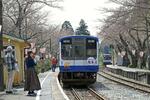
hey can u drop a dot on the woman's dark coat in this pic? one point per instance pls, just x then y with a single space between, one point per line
31 79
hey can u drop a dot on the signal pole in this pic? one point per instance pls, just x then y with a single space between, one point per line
1 48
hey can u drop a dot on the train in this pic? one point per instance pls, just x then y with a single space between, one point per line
107 56
78 60
107 59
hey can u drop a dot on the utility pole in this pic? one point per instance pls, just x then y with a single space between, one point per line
1 48
148 47
50 49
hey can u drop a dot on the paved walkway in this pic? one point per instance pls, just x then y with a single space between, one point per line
51 89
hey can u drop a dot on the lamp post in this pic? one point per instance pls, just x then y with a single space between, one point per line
1 48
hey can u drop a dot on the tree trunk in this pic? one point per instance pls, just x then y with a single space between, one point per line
1 48
148 47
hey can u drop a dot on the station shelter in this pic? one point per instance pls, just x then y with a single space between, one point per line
19 46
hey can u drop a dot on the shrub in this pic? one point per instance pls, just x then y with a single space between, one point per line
43 65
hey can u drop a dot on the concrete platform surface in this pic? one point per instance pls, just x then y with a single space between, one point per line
51 89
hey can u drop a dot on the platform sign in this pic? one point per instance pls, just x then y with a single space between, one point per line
0 28
141 53
133 52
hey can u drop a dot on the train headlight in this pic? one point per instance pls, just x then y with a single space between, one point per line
66 64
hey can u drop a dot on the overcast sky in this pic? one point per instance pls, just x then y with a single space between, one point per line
75 10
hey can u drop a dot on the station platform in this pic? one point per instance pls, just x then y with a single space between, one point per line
51 89
132 73
127 69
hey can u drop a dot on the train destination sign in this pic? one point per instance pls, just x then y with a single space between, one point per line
67 41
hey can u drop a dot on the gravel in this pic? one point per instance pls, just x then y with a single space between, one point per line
116 91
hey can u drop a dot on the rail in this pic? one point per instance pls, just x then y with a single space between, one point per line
96 95
76 95
125 81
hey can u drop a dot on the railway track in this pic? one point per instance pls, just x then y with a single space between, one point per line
75 94
96 95
125 81
89 94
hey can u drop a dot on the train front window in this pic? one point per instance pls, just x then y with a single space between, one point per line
66 49
91 49
79 48
91 52
67 52
79 52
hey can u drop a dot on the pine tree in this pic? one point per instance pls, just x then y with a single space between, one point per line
67 27
82 29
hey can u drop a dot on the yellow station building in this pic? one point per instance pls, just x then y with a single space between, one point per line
19 46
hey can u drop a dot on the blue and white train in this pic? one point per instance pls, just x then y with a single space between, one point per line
78 60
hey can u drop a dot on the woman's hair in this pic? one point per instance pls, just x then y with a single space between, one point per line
29 52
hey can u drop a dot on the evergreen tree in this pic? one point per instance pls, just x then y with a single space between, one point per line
67 27
82 29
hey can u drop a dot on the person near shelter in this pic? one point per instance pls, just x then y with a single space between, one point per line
126 60
53 62
32 82
119 59
10 64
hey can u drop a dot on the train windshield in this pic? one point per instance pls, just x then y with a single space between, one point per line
78 49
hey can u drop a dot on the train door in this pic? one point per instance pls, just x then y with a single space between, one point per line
79 51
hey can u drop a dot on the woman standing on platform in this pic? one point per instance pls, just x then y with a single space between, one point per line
31 80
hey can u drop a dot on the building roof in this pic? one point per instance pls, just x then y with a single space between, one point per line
23 42
12 38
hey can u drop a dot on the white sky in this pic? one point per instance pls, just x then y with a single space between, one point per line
75 10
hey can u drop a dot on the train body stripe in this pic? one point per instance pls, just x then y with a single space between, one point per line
90 68
84 37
